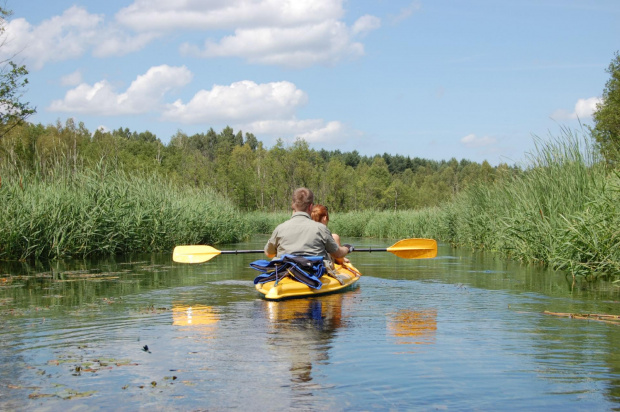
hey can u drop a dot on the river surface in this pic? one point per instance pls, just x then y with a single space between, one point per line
464 331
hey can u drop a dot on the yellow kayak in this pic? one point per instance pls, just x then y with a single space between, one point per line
345 275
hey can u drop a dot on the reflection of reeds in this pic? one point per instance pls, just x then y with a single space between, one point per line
613 319
107 212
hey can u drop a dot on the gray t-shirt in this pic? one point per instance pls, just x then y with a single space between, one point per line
300 235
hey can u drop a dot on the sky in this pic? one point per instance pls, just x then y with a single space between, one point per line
436 79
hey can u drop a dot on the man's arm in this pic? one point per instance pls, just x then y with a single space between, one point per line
341 252
270 250
333 248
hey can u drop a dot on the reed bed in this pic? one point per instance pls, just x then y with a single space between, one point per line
265 222
89 212
562 211
387 224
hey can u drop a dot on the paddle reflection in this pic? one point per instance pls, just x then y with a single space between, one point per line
413 327
194 316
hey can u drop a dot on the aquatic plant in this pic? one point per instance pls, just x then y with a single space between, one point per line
265 222
102 211
561 211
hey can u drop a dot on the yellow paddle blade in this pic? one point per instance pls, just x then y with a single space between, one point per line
414 248
194 253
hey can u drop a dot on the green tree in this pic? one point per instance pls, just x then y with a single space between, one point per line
393 195
12 81
606 118
243 177
374 181
276 193
251 141
334 183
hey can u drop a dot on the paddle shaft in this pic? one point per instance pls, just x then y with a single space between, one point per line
406 248
240 252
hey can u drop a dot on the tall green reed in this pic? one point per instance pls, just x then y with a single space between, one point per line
265 222
560 212
80 213
387 224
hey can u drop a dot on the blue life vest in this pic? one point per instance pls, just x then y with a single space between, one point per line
304 269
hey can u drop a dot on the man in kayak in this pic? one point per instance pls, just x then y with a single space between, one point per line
302 236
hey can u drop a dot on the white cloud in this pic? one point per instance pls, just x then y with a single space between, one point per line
67 36
243 101
148 15
472 141
143 95
118 43
293 33
584 109
311 130
268 109
56 39
301 46
366 24
328 132
406 12
72 79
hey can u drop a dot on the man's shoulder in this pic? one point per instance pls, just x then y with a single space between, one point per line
299 218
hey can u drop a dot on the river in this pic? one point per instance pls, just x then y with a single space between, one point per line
464 331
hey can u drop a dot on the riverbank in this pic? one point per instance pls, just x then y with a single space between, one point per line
560 211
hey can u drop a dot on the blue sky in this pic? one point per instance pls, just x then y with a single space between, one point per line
473 79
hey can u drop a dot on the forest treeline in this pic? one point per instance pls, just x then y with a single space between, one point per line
240 167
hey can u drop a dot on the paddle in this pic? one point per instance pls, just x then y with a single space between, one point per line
406 248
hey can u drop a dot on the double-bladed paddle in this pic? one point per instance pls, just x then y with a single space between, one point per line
406 248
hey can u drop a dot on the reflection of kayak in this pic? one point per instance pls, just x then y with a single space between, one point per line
322 312
345 276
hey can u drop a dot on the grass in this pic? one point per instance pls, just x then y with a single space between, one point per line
386 224
66 214
265 222
562 211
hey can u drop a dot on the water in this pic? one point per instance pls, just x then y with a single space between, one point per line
460 332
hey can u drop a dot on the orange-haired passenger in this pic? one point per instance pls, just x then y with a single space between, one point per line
321 215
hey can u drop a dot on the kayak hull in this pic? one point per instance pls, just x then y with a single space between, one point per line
287 288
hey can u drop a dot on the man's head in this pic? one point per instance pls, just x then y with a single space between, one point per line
302 199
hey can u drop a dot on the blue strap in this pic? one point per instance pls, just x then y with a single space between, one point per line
304 269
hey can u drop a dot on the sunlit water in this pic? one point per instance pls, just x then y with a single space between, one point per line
460 332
